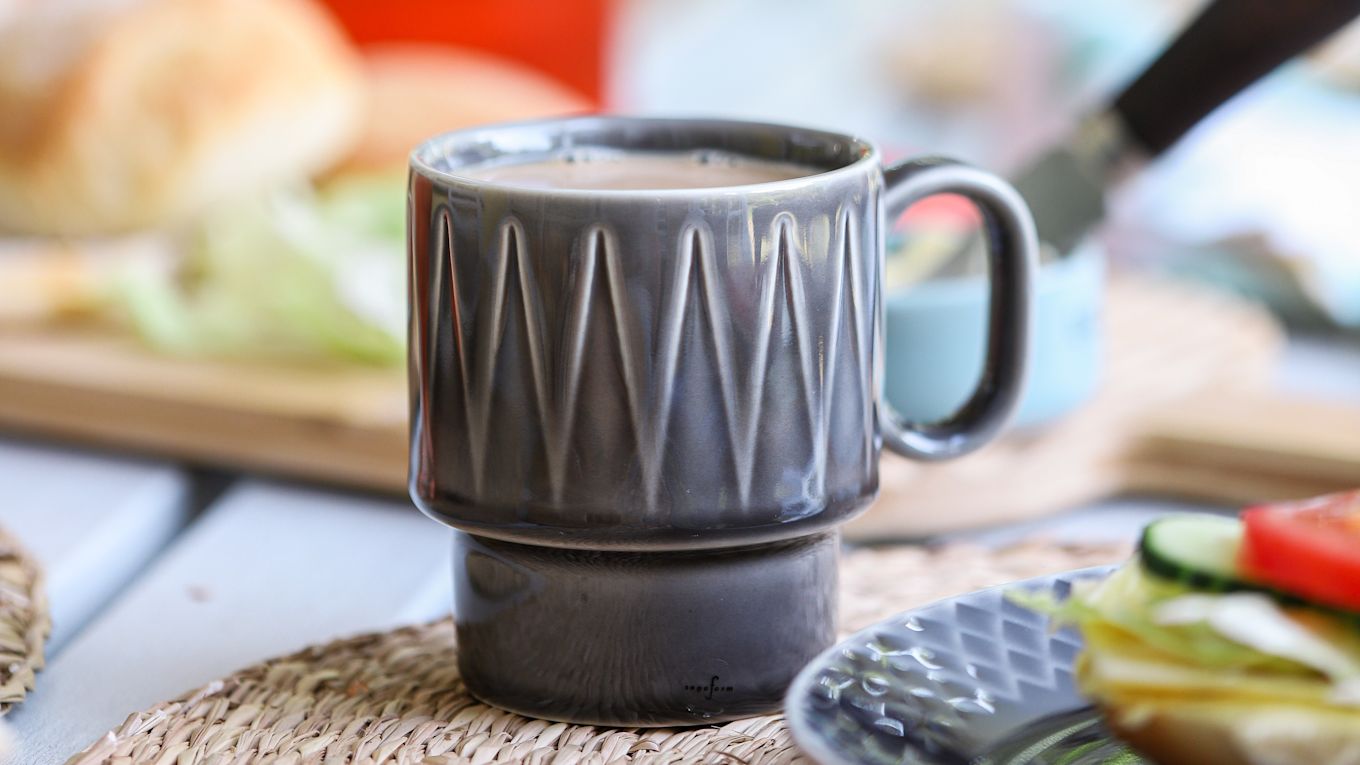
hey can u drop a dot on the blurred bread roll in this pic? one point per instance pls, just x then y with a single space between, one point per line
418 91
1191 731
118 115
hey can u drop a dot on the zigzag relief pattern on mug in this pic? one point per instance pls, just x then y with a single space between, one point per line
700 288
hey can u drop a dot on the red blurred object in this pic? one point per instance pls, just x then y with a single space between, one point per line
1309 548
563 38
944 211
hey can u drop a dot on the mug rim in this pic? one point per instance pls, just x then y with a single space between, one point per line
423 157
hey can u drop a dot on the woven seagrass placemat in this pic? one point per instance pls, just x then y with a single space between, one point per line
396 698
24 621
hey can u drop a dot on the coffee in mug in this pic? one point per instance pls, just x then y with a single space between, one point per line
612 169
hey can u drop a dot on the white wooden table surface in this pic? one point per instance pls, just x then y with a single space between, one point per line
153 594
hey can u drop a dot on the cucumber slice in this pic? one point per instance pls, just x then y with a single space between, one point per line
1199 551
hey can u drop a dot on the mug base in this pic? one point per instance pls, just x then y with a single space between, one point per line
640 639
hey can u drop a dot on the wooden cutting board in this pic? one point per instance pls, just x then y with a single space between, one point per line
336 424
1182 410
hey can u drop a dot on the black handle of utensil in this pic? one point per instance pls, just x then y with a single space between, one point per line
1229 46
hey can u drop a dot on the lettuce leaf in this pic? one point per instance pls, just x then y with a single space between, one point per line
299 274
1256 620
1121 609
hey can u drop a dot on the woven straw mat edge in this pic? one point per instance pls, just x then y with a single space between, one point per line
24 621
396 698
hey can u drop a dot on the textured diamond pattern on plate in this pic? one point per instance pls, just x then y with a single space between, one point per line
948 683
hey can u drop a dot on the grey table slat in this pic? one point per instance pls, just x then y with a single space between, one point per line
1323 367
265 571
93 521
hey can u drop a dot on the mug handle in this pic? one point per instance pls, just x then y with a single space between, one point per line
1012 256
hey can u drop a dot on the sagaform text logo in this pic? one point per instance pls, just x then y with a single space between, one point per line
711 688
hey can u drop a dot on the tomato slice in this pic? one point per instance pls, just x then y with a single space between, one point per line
1309 548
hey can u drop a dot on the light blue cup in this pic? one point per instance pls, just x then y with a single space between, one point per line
935 332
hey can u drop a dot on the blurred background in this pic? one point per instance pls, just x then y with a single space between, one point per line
203 395
202 203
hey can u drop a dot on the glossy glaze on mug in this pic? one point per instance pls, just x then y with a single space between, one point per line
641 638
645 369
645 407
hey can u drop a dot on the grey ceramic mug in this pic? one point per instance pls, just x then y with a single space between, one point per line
646 411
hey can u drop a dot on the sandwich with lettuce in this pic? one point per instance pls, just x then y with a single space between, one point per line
1233 641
